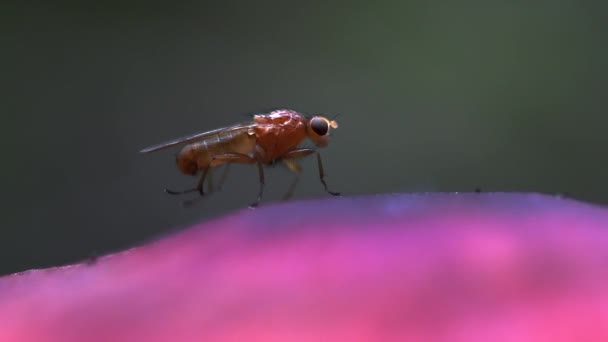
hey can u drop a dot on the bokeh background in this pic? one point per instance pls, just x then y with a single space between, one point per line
502 96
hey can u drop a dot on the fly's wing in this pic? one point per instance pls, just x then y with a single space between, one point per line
198 137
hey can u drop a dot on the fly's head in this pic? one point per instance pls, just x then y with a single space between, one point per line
318 128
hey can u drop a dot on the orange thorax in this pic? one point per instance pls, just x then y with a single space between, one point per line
278 133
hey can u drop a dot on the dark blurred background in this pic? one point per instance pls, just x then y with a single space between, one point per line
502 96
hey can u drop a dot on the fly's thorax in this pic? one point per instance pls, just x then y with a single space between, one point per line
275 140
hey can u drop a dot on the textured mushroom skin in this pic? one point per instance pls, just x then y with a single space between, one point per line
415 267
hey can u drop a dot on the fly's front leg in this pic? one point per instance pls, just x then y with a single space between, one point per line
322 176
303 152
298 153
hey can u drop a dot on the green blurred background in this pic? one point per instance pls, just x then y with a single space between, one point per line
502 96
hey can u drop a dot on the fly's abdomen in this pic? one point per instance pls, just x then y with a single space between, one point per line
201 155
231 143
193 158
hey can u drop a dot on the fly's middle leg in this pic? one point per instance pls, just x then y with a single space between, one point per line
243 159
261 192
293 166
223 177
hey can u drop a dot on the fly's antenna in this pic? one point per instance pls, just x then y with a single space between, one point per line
332 122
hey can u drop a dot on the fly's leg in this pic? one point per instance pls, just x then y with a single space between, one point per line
261 192
244 159
298 153
199 186
293 166
322 176
291 189
210 187
303 152
223 177
289 161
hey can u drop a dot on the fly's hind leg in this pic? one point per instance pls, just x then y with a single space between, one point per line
199 186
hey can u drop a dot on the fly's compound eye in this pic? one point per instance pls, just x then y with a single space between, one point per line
319 126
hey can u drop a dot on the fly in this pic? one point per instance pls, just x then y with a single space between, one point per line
268 139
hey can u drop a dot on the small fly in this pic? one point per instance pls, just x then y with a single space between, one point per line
268 139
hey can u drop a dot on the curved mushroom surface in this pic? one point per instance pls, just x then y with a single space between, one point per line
415 267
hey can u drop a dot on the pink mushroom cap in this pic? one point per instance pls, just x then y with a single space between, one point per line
403 267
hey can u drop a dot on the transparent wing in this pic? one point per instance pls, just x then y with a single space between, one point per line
198 137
